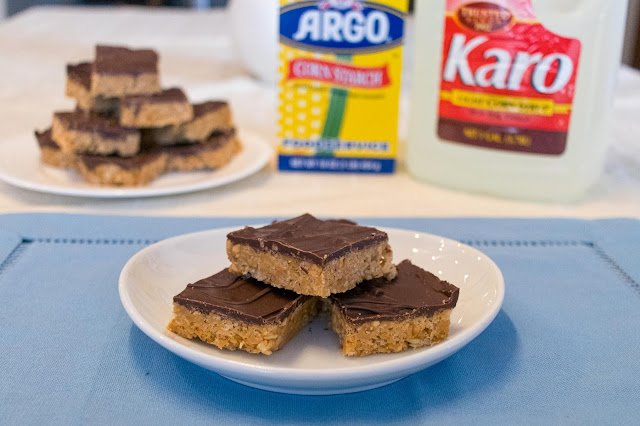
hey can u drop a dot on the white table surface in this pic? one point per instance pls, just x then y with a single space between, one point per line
197 54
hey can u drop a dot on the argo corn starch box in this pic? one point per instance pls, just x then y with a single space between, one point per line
340 74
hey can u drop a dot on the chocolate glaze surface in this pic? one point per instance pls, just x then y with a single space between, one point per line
308 238
45 140
414 292
241 298
108 127
120 60
206 107
80 73
171 95
126 163
215 141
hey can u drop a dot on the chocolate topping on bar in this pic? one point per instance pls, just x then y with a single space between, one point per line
105 126
241 298
80 73
305 237
125 163
173 94
206 107
45 140
414 292
215 141
120 60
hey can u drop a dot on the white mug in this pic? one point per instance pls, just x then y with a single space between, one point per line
254 28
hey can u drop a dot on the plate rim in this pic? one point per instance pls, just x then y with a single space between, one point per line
262 155
409 363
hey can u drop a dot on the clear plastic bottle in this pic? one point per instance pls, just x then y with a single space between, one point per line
513 97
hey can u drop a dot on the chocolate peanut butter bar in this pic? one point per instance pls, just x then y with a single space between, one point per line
119 171
50 152
79 132
119 71
215 152
78 87
381 316
235 312
208 117
311 256
169 107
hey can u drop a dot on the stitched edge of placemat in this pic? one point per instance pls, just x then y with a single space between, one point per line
14 256
22 246
616 267
597 249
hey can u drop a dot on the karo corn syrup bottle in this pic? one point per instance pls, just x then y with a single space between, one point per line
513 97
340 73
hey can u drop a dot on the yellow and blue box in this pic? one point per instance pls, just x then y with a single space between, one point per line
340 75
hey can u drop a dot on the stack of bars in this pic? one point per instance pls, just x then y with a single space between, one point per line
127 130
282 275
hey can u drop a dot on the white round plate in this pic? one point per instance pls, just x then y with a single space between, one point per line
311 363
20 166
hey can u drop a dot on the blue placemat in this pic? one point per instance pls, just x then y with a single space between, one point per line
564 348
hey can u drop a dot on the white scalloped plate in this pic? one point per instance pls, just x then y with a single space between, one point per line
20 166
311 363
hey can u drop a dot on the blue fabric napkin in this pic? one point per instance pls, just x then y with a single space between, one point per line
564 348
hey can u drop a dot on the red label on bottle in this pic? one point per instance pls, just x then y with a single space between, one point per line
507 82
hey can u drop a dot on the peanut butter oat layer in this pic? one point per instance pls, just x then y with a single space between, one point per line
119 71
79 132
311 256
78 87
50 152
119 171
234 312
381 316
208 117
213 153
169 107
